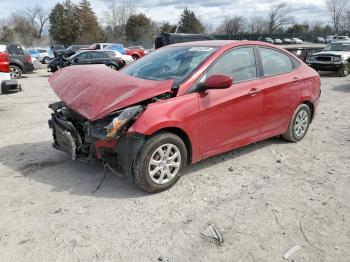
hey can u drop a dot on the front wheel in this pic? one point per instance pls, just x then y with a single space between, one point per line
343 71
46 60
299 124
160 162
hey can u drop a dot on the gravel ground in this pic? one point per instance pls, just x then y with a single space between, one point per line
277 195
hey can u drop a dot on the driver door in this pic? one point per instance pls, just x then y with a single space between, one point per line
231 117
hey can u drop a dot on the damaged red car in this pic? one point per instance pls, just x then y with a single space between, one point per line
181 104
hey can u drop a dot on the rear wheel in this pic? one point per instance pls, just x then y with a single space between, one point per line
15 72
343 71
160 162
299 124
135 57
112 67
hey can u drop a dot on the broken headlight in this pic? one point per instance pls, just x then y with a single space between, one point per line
123 121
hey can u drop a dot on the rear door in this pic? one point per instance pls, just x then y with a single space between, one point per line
99 58
231 117
282 84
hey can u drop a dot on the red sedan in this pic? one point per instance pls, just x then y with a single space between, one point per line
181 104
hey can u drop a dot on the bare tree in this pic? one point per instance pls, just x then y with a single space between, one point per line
36 17
278 16
336 10
231 26
116 18
256 24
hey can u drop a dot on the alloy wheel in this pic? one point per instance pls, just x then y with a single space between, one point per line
164 164
301 123
15 73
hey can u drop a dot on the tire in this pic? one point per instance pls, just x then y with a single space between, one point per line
299 124
15 72
113 67
46 60
343 71
135 57
160 180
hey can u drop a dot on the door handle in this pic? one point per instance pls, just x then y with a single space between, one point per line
254 91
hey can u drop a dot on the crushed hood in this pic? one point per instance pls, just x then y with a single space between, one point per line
94 91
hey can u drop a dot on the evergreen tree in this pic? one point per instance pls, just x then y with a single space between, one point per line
189 23
90 31
139 29
64 24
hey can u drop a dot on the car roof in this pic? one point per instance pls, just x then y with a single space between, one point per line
223 43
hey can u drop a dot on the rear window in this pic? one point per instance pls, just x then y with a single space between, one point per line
15 50
275 62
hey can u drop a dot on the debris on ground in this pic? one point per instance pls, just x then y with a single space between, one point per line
230 169
291 251
213 233
57 211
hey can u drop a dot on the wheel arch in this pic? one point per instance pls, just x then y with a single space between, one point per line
17 64
183 135
311 106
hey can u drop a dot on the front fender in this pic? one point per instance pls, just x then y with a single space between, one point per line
180 112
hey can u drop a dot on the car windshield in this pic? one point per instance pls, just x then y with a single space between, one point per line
169 63
338 47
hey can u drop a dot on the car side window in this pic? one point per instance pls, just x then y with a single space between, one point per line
96 55
15 50
84 56
275 62
238 64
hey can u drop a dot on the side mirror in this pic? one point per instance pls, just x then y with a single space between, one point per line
218 82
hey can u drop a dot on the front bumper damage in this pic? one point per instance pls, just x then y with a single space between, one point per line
88 141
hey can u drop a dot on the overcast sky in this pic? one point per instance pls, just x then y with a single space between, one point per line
210 11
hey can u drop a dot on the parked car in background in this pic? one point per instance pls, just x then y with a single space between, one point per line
277 41
57 48
72 49
297 40
97 46
7 85
165 39
320 40
46 54
126 59
20 60
268 40
33 53
88 58
135 52
340 38
287 41
116 47
329 38
182 104
334 57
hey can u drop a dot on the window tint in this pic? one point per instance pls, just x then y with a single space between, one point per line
85 55
98 55
238 64
275 62
15 50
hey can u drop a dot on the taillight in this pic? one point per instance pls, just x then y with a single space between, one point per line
4 62
29 59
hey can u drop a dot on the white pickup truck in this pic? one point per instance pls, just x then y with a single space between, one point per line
7 85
